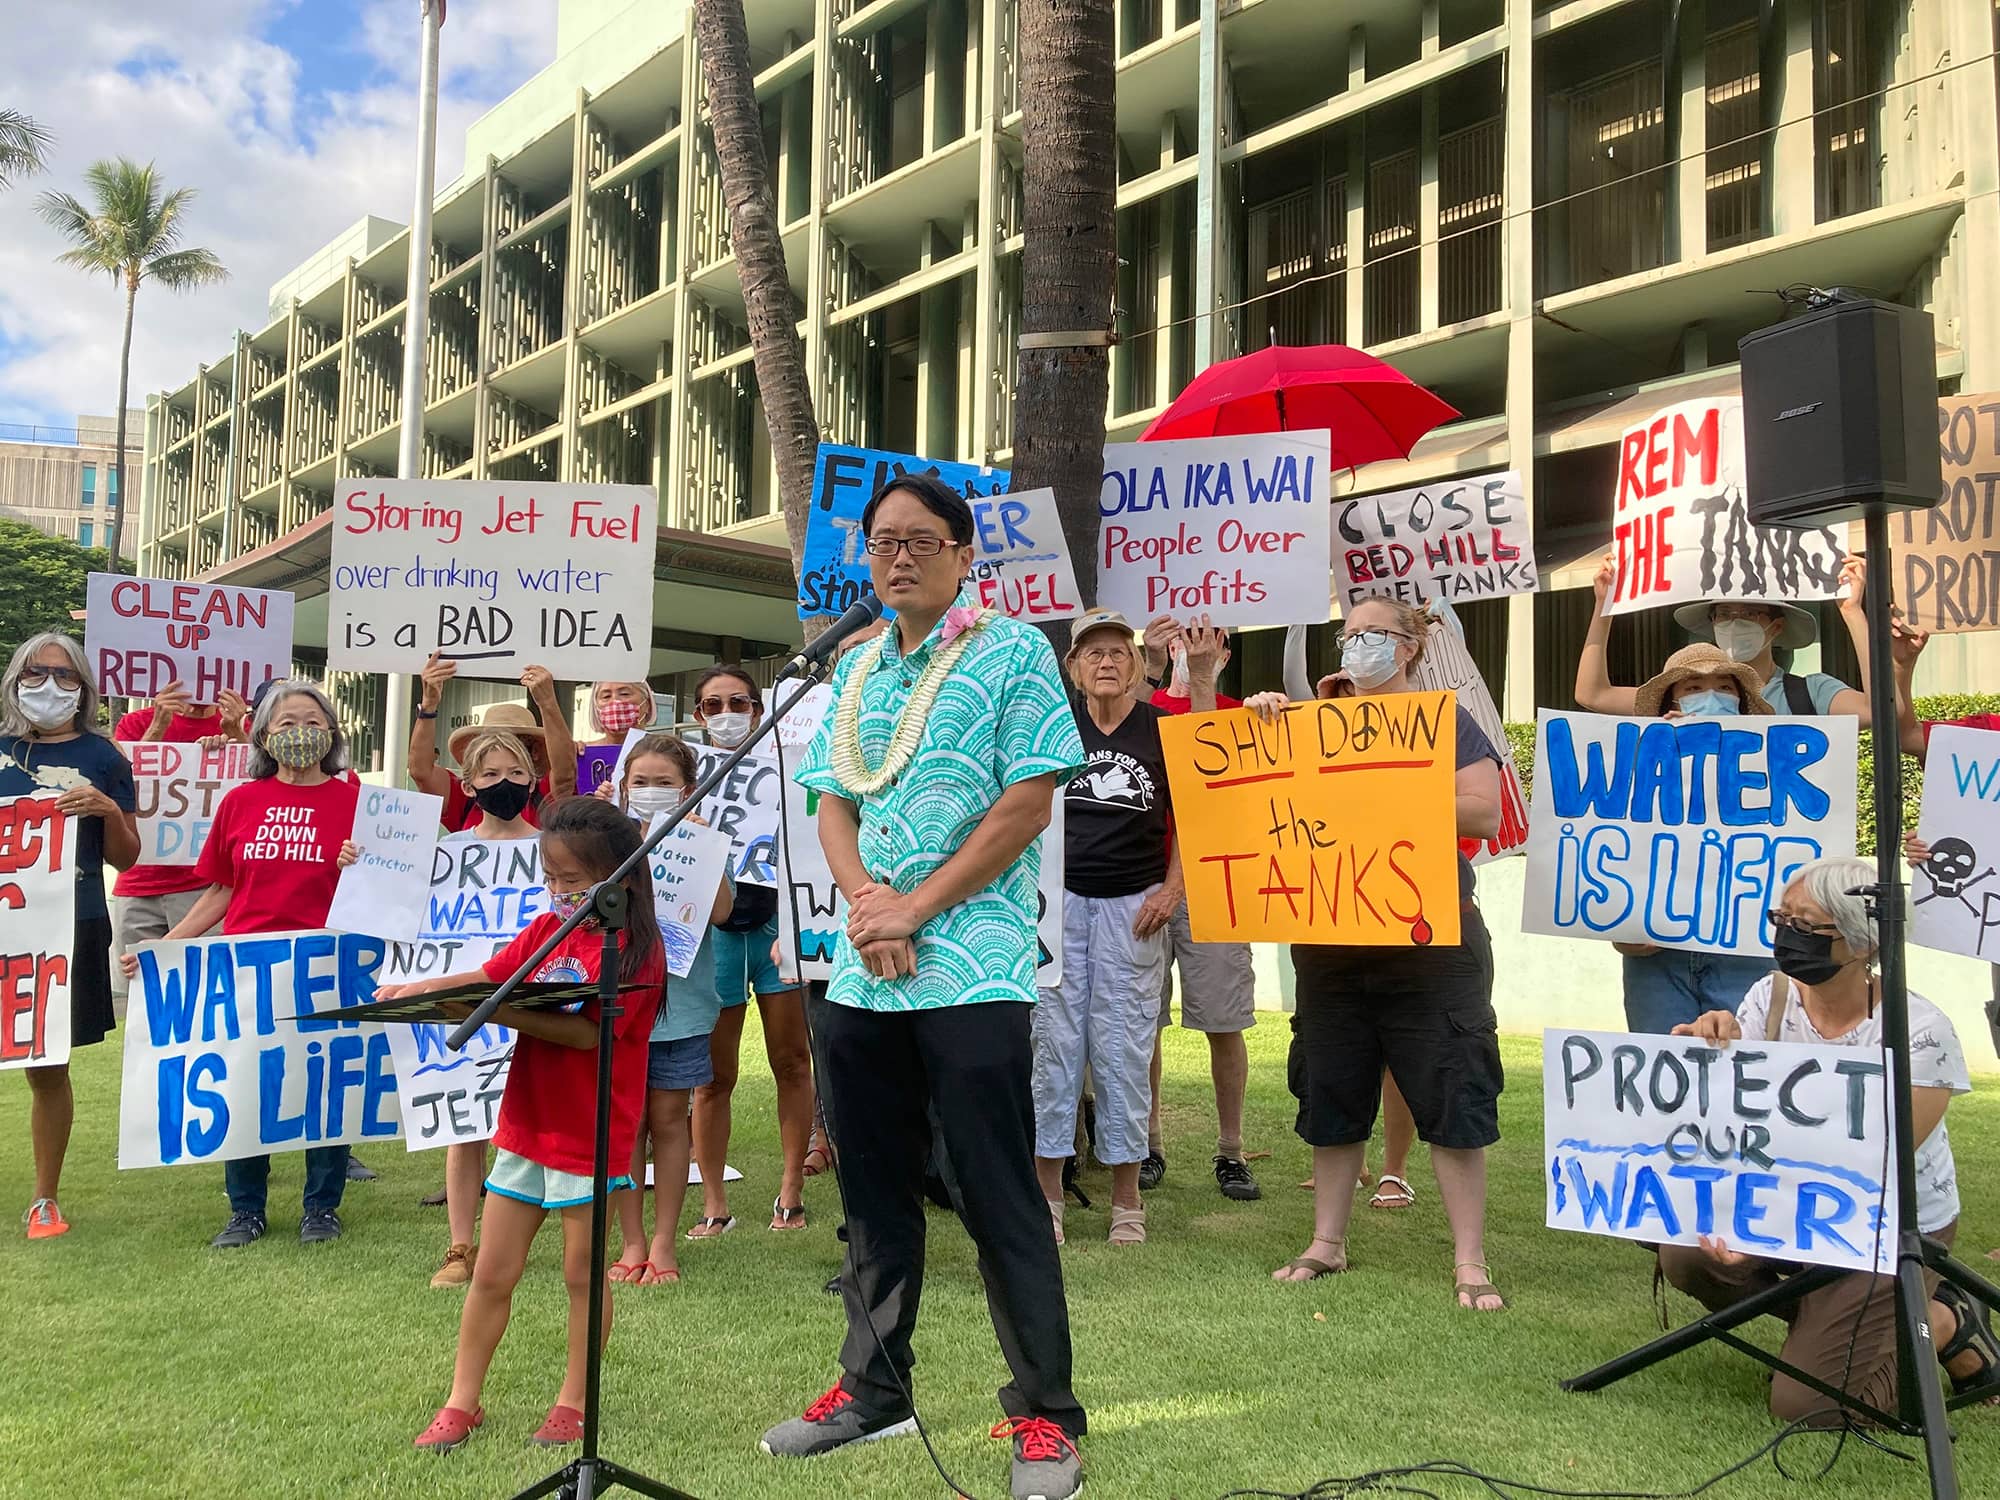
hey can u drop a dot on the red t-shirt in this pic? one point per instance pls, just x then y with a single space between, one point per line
1167 701
548 1110
162 880
275 846
462 813
1970 721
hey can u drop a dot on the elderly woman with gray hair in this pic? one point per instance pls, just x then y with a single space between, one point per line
272 861
50 744
1826 990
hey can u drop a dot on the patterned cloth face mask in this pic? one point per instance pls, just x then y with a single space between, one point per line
299 746
565 903
618 716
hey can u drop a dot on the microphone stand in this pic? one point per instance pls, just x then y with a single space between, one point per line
590 1473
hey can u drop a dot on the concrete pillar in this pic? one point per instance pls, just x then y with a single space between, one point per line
1979 148
1429 21
985 285
1517 693
1793 199
1691 215
1428 226
1208 177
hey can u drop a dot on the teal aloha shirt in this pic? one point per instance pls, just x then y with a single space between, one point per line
1003 716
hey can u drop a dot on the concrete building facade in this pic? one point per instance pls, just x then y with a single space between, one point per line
64 480
1559 214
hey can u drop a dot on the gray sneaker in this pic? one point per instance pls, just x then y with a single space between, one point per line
1151 1170
833 1421
318 1225
242 1229
1046 1463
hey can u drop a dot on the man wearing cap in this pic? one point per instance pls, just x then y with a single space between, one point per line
547 740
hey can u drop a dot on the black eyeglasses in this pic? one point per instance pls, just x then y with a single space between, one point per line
920 546
739 704
35 676
1782 918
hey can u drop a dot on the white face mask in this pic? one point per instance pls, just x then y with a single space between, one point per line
48 705
647 802
1739 640
728 730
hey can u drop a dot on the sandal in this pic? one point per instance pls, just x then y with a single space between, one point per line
1392 1192
818 1158
1128 1226
561 1427
1468 1293
784 1219
652 1275
449 1429
1975 1332
622 1271
1056 1213
711 1229
1312 1263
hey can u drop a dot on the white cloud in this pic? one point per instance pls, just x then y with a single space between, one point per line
284 154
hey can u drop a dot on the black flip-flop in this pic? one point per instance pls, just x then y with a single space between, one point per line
1975 1331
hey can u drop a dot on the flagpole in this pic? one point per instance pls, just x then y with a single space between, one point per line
416 328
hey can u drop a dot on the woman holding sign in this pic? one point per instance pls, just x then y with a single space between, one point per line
1826 991
548 740
272 862
50 746
1425 1012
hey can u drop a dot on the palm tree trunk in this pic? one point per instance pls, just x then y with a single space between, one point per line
783 387
124 379
1069 261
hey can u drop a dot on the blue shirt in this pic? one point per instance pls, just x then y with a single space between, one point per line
29 767
690 1005
1821 688
1001 717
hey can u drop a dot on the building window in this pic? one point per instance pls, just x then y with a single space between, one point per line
90 484
84 532
111 487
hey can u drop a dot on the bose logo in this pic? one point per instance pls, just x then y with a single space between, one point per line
1798 411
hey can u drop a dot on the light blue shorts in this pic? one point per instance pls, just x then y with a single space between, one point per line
743 964
530 1182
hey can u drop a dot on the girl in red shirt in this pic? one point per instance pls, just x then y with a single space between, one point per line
544 1153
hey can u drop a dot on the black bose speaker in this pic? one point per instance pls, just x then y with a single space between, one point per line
1840 412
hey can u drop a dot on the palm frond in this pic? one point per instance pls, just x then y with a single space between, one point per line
24 146
184 270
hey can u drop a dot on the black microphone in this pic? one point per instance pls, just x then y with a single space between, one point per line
862 613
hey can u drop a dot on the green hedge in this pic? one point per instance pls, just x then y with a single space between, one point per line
1521 740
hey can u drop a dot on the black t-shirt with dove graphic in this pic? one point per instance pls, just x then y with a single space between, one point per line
1116 809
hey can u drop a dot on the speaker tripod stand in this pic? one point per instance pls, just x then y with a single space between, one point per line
1921 1405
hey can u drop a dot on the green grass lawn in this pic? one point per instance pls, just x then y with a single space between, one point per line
137 1362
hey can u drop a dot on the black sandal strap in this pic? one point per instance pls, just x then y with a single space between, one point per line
1974 1332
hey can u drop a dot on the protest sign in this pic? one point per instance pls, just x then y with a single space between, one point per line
1021 564
1955 894
687 869
383 892
494 577
1237 528
177 788
811 911
37 927
1456 540
744 806
1448 667
597 764
1948 557
1681 832
1681 526
1776 1148
141 634
447 1098
235 1047
1274 850
833 569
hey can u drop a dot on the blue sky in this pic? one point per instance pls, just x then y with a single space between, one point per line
290 118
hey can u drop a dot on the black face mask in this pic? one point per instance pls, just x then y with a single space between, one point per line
1806 957
505 800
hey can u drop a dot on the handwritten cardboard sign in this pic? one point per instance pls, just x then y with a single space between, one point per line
1948 557
1447 667
448 1098
833 568
1456 540
1774 1147
687 869
745 807
37 929
140 634
1681 832
235 1046
1681 527
1955 894
812 913
1021 564
383 892
1336 824
597 764
494 576
1237 528
177 788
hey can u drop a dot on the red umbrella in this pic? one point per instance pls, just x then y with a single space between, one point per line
1373 410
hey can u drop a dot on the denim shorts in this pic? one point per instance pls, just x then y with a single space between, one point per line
680 1064
1674 986
530 1182
743 964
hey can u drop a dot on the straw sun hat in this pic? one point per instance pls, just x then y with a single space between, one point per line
1699 660
515 718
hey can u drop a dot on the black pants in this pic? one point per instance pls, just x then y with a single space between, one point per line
885 1072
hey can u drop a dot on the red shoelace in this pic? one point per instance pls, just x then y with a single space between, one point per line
1041 1439
831 1402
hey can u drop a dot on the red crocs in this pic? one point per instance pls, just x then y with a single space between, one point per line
449 1429
562 1426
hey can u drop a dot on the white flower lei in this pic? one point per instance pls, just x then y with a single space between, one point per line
850 762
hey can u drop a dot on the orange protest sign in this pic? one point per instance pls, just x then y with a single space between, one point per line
1336 824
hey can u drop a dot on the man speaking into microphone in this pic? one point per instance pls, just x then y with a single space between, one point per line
936 770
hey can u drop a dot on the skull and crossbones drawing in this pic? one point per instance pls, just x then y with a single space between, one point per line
1949 869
